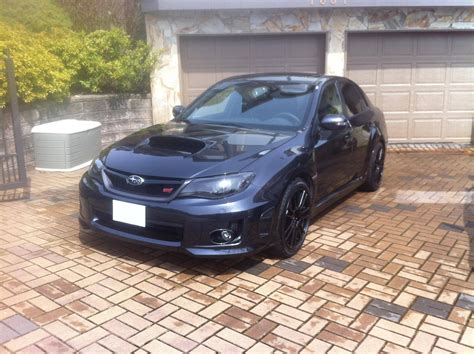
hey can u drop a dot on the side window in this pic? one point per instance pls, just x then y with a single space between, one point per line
354 101
330 102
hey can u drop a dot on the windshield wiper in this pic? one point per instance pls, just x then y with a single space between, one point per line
234 125
184 120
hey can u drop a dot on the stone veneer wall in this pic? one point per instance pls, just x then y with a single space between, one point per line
164 29
119 115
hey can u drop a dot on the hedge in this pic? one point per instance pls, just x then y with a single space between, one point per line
40 74
58 63
52 61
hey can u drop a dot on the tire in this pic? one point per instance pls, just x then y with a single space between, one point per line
375 169
293 219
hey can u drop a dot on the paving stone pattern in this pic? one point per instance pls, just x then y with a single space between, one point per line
373 275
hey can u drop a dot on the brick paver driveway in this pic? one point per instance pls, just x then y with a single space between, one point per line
381 271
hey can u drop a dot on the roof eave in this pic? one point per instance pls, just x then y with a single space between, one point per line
178 5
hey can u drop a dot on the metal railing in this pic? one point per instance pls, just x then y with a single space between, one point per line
12 165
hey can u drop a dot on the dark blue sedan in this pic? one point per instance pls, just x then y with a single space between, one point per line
245 167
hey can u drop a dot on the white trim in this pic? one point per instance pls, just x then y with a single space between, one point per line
75 168
179 5
66 126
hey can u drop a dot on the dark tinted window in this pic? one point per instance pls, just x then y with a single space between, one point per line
355 103
330 102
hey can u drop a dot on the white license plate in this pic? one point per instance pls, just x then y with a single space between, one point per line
129 213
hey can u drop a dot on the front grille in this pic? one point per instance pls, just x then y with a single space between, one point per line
151 187
152 230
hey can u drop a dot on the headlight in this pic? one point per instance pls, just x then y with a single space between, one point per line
95 169
217 187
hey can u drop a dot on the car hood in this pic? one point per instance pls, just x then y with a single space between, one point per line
183 150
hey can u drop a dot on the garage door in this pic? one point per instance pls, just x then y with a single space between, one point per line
206 60
424 82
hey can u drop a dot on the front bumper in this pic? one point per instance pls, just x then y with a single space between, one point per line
182 224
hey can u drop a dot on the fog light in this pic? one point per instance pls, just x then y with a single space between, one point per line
227 235
223 236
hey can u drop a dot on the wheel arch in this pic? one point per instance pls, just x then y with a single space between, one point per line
375 136
306 177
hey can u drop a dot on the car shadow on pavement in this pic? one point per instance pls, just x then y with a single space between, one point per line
173 261
468 216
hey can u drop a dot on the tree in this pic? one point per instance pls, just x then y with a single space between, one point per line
91 15
36 15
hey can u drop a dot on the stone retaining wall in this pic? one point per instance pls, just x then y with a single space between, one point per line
120 115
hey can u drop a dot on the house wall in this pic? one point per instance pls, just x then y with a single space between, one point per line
164 29
119 115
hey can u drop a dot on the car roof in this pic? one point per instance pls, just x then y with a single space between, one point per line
307 78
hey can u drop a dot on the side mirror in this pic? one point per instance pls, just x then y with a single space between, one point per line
177 110
334 122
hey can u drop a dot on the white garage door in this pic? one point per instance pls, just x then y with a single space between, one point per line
424 82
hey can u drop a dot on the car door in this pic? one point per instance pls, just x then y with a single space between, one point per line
332 149
360 116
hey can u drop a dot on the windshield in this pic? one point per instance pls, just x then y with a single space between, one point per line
273 106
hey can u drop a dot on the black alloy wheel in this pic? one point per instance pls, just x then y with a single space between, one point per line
375 169
294 219
378 166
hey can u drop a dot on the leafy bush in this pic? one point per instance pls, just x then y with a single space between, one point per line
51 60
113 62
40 75
104 61
34 15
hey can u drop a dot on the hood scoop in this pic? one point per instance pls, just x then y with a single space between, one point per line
171 146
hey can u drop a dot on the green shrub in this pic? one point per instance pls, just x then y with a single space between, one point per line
111 62
68 46
40 74
53 64
34 15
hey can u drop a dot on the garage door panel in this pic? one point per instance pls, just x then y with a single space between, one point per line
424 78
461 101
268 47
432 44
457 128
205 60
395 101
235 49
301 68
269 68
232 71
298 47
462 44
362 45
398 129
199 77
462 73
429 101
395 74
198 51
425 129
430 73
397 45
364 74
